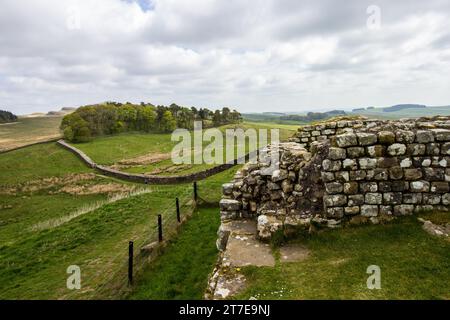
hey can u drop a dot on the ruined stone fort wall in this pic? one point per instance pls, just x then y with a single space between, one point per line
347 171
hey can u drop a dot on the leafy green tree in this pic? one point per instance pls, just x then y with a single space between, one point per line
168 122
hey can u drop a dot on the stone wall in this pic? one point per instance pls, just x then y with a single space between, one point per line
148 179
352 172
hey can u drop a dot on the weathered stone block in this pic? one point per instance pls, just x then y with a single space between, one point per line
392 198
327 176
335 213
386 210
357 200
419 186
334 187
444 162
404 210
440 187
384 186
337 154
342 176
331 165
413 174
351 211
279 175
446 199
367 163
424 136
387 162
366 139
350 187
369 210
416 149
396 173
441 134
433 149
373 198
386 137
355 152
406 163
350 164
381 174
445 148
434 174
335 200
228 215
229 205
399 186
369 187
346 140
227 189
404 136
412 198
431 198
267 225
376 151
396 149
358 175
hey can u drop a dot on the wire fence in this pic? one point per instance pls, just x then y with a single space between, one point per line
144 247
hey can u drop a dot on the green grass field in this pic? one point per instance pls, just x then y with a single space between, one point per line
34 259
110 150
414 265
406 113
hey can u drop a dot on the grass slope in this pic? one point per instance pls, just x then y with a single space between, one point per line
28 130
182 271
35 162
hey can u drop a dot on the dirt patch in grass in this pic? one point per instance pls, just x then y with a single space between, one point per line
171 169
107 188
74 184
142 160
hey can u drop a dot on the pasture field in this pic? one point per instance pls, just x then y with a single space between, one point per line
55 212
150 153
28 130
378 113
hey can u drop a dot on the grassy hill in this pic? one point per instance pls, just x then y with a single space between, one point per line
380 113
28 130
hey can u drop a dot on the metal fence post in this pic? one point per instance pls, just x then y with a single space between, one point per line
130 263
160 230
195 191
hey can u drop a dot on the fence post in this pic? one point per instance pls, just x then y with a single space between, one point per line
130 263
160 230
195 192
178 210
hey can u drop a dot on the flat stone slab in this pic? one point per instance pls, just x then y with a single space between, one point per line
242 227
293 253
245 250
228 285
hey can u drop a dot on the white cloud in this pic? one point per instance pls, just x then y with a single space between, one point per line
258 55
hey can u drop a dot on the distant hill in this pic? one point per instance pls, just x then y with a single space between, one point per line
399 107
6 117
286 118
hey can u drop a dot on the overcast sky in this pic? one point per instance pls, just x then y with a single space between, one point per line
255 55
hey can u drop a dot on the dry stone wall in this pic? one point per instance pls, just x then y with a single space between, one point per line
346 172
